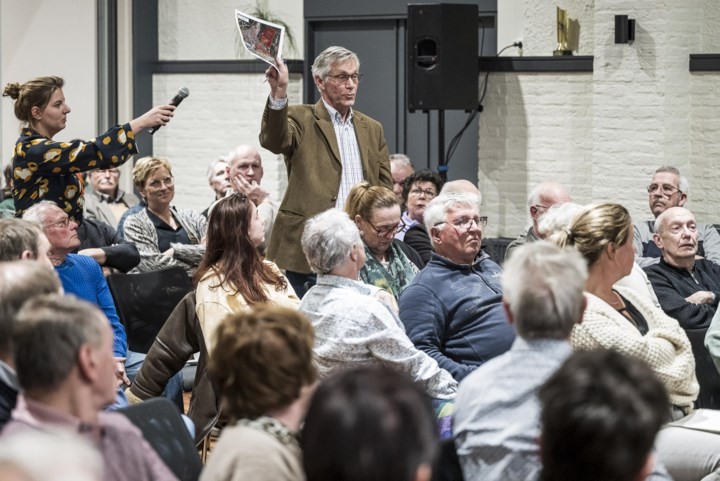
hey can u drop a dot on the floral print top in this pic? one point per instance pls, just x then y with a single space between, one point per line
44 169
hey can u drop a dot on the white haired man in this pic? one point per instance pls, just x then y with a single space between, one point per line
106 201
670 189
496 411
401 167
217 180
688 288
352 326
328 148
540 199
452 309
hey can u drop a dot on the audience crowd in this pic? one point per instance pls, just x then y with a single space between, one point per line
363 328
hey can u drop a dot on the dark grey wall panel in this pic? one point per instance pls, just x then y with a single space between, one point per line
317 9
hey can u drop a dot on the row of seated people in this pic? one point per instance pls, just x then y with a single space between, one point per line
452 252
354 326
358 424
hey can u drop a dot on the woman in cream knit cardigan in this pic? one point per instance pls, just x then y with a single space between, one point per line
620 318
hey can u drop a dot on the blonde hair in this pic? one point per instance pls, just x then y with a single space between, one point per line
594 228
364 198
33 93
145 167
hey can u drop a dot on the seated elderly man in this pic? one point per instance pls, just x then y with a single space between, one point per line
540 199
452 309
688 288
352 326
80 275
71 381
105 200
245 172
669 189
496 409
401 167
218 181
19 281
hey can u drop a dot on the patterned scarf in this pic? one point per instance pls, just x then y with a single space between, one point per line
395 277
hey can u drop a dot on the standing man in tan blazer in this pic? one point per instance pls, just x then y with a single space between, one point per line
328 148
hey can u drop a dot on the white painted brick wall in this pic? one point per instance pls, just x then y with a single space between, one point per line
603 134
221 112
205 30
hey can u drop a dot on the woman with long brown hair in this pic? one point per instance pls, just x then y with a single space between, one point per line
232 276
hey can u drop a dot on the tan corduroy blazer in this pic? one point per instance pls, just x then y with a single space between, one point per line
304 134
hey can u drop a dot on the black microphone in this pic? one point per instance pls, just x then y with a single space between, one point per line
182 93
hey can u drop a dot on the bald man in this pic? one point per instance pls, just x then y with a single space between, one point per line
541 198
688 288
245 172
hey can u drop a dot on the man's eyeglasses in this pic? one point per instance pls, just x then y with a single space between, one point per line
466 222
385 231
61 223
158 183
343 77
417 192
665 189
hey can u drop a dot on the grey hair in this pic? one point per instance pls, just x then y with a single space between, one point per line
401 160
543 287
56 326
327 239
539 190
438 208
659 224
558 217
332 56
37 212
211 167
683 183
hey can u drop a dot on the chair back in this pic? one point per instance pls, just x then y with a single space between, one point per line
144 302
164 429
705 370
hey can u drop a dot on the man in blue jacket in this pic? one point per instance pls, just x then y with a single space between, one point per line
453 308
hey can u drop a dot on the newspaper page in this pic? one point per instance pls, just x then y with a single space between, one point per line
262 39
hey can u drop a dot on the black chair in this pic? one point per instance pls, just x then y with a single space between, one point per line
164 429
144 301
496 248
705 370
447 465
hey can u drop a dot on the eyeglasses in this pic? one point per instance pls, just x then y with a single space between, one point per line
158 183
541 207
466 222
61 223
417 192
108 172
343 78
666 189
385 231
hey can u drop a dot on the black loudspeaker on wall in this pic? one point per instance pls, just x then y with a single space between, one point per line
442 57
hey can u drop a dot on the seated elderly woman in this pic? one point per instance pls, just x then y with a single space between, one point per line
370 424
620 318
232 276
390 263
352 327
420 188
263 368
164 236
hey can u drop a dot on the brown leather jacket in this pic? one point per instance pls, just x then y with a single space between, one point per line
179 338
